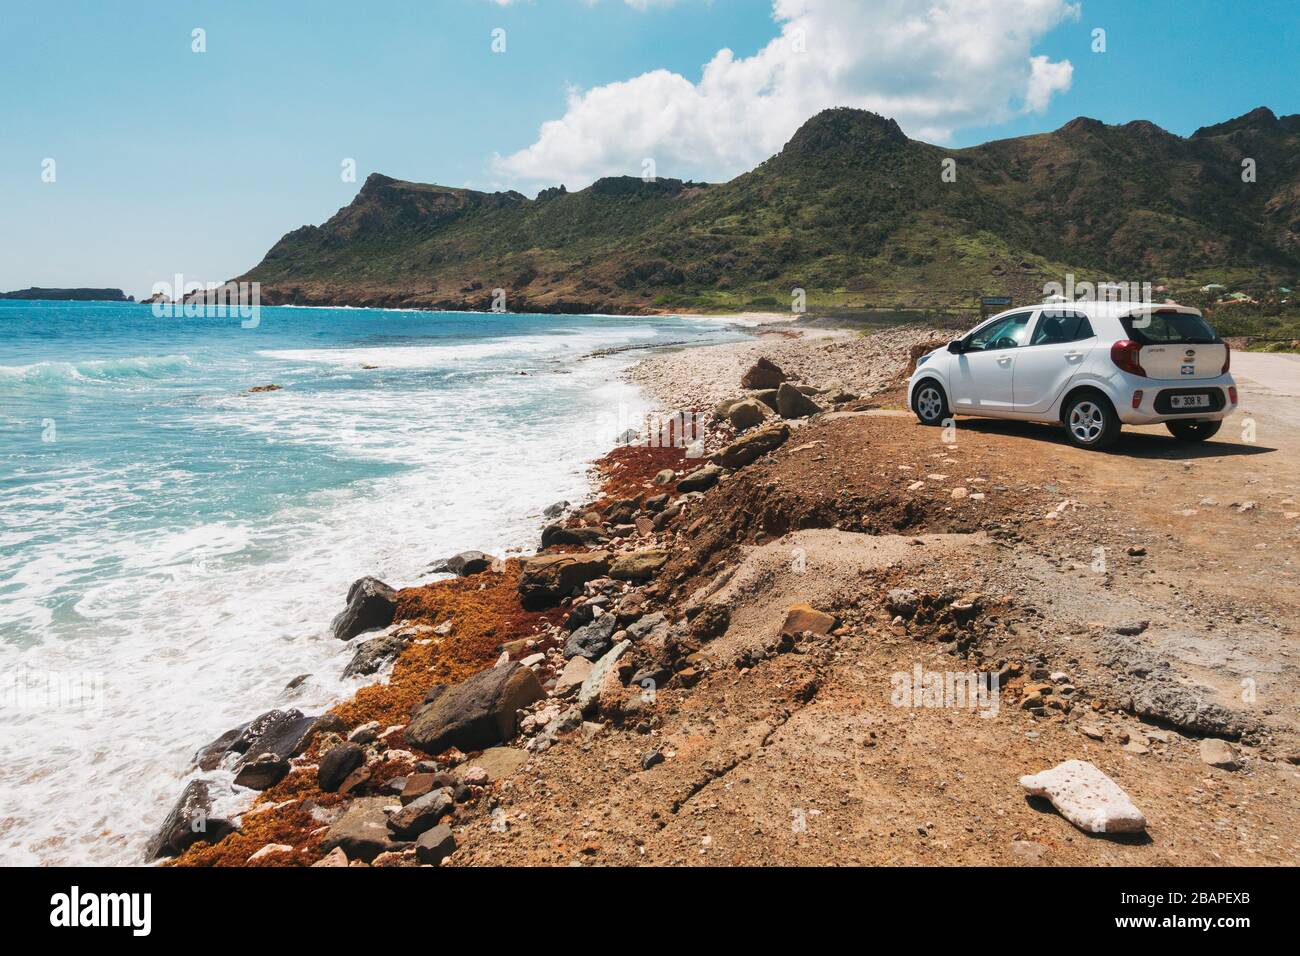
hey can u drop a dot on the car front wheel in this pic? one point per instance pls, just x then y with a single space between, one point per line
1091 422
930 403
1193 431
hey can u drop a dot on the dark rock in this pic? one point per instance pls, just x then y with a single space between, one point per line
656 502
621 512
701 479
767 396
477 712
763 374
289 737
373 654
435 845
190 821
371 604
463 564
792 403
421 814
210 755
555 510
1131 628
651 758
547 578
591 640
581 614
262 772
337 764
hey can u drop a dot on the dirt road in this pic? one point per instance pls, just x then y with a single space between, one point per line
1153 589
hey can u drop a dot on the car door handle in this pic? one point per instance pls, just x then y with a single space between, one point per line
1073 355
1004 361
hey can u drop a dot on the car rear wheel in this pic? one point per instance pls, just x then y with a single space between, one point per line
1193 431
930 403
1090 421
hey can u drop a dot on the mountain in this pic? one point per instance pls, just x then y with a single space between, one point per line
850 210
70 295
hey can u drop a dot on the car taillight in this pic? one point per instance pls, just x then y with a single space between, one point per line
1137 398
1124 354
1232 394
1227 359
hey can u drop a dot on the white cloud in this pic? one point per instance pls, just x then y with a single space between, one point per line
935 66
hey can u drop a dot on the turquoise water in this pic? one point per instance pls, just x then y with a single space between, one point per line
179 544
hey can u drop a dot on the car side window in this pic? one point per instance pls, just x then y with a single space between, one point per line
1007 333
1056 327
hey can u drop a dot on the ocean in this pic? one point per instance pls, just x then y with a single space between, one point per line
173 547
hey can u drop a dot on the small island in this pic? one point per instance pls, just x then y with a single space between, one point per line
69 295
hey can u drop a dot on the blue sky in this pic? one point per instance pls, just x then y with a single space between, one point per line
172 161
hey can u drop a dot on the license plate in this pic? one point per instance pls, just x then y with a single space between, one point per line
1189 401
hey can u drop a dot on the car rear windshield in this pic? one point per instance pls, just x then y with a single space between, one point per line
1157 328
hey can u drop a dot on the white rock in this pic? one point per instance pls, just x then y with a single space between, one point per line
1087 798
269 849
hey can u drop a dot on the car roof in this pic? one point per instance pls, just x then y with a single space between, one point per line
1101 308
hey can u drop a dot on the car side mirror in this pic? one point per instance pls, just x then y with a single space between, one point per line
955 347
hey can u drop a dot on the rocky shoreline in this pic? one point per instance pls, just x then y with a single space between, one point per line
537 645
570 705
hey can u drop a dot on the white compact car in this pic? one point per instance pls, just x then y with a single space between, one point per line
1090 366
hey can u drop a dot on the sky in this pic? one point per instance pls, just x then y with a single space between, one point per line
133 149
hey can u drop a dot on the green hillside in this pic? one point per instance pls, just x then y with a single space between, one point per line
850 210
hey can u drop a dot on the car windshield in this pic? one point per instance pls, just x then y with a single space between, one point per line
1159 328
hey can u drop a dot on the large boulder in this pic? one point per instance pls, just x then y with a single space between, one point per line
547 578
792 403
476 713
362 831
371 604
638 565
747 413
190 821
744 451
763 374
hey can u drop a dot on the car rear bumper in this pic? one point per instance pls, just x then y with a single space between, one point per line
1156 403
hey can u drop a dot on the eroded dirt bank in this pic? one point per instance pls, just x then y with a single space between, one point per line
1137 608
